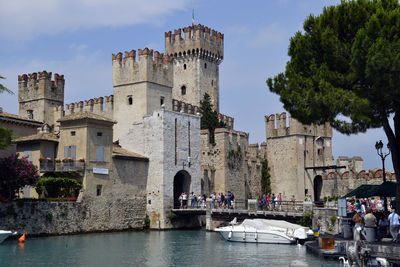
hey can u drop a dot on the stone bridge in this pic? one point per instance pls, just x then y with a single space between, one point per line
285 210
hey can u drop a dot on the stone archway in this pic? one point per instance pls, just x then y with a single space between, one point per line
317 187
182 182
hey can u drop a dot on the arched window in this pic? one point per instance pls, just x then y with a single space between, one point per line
184 66
30 114
130 100
205 65
183 90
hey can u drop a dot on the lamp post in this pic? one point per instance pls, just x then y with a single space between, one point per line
379 146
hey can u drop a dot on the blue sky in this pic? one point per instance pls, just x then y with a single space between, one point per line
77 37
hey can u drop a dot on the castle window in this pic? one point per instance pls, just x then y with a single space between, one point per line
73 133
130 100
99 134
161 101
184 66
183 90
205 65
99 153
30 114
98 191
212 82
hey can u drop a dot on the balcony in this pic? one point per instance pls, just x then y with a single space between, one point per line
62 166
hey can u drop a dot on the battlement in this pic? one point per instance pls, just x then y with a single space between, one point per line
277 125
103 106
197 40
227 120
183 107
150 67
39 85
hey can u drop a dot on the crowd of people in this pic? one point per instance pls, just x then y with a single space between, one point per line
219 200
370 214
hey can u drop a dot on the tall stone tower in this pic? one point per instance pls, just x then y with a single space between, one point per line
140 87
196 59
291 151
39 96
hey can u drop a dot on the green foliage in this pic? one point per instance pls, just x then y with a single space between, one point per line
16 173
331 198
146 222
5 134
57 187
333 220
209 117
344 69
172 216
306 220
235 158
265 177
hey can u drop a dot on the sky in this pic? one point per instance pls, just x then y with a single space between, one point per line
77 37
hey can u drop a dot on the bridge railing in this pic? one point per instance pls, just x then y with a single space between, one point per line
284 205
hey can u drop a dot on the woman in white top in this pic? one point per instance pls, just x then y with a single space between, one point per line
394 225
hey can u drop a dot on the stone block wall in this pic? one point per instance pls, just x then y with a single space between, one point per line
92 214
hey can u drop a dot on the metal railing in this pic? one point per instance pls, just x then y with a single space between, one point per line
74 165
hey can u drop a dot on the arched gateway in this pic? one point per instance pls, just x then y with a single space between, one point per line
317 187
182 182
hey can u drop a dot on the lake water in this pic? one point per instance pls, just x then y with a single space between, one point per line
152 248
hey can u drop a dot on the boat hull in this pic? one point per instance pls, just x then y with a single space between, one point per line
4 235
256 237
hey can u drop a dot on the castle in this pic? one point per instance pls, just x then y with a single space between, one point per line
144 144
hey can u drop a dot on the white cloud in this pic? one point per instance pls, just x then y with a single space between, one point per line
27 19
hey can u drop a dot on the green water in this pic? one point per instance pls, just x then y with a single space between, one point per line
153 248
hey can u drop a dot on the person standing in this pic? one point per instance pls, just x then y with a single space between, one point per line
184 200
294 202
394 225
280 201
192 200
370 220
213 197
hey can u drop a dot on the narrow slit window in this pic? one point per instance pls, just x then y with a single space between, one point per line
130 100
183 90
184 66
161 101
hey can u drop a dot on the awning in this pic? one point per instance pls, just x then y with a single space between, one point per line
387 189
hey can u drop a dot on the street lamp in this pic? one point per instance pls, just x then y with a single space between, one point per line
379 146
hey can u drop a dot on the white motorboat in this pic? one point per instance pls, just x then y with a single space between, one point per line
264 231
4 234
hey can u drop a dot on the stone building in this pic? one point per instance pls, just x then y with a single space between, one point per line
142 145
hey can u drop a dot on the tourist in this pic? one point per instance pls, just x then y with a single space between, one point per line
264 201
394 225
358 225
363 206
358 206
219 200
379 205
268 201
232 200
370 220
279 201
294 202
273 198
198 201
185 200
372 204
192 200
180 201
228 196
382 226
222 203
204 201
213 198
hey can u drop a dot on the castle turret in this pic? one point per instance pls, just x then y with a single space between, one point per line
196 56
140 87
39 96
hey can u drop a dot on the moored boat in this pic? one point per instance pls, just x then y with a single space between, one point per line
4 234
264 231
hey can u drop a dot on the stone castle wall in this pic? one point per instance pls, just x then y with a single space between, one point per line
93 214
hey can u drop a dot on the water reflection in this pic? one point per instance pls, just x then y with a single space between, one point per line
153 248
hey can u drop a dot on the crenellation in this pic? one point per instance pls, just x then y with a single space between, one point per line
152 66
196 41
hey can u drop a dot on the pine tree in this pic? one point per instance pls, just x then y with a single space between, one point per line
209 117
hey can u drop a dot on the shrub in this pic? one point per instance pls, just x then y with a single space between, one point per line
57 187
16 173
